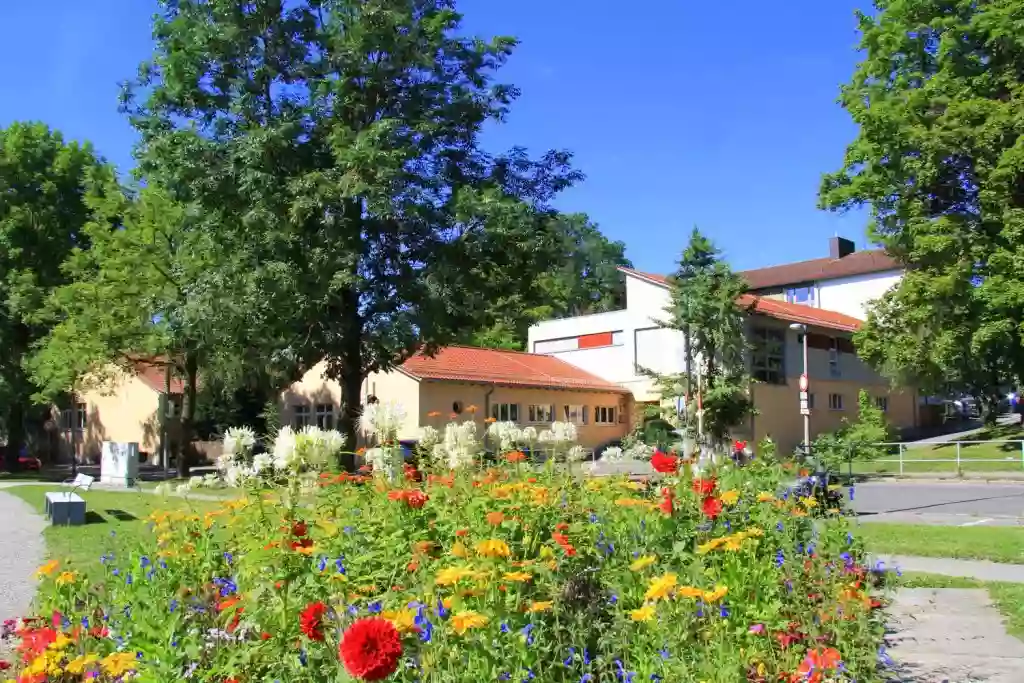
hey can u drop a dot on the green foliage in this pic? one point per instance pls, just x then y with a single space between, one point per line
939 163
703 294
854 440
333 146
48 190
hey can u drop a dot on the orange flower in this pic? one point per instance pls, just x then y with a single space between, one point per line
422 547
515 456
491 419
471 408
434 413
462 532
495 518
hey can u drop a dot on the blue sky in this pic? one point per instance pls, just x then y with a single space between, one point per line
720 115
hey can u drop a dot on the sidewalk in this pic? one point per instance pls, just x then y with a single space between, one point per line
970 569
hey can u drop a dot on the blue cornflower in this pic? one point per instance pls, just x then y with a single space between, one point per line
173 606
149 573
572 655
321 564
138 655
586 678
665 654
529 676
723 611
849 538
303 657
504 676
128 578
527 633
441 610
116 572
847 558
655 677
227 586
85 622
426 630
880 566
810 548
228 557
339 564
504 627
144 562
800 548
612 599
778 526
851 493
162 563
374 607
348 529
700 608
586 657
728 527
780 558
593 518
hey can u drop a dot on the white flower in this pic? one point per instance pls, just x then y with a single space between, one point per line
284 449
507 434
639 451
261 462
238 441
429 437
376 457
182 488
612 454
235 475
382 419
577 454
460 443
546 436
162 489
529 434
195 482
560 433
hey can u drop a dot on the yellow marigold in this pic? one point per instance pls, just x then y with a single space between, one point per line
730 497
797 512
633 485
493 547
765 497
689 592
631 502
641 562
518 577
330 528
118 663
460 550
48 568
464 621
754 532
808 502
715 595
661 587
60 642
402 619
734 543
540 606
546 552
710 545
645 613
82 663
65 578
449 576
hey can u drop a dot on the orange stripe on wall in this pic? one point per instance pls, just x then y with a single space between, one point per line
590 341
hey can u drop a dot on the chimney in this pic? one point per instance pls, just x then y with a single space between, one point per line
838 247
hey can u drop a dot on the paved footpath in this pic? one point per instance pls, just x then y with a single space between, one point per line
21 552
972 569
944 635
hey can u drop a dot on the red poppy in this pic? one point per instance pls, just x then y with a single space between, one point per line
712 507
411 473
704 487
311 620
816 663
664 463
666 501
265 636
739 446
563 541
370 649
299 529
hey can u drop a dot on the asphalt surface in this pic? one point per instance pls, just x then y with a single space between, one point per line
948 503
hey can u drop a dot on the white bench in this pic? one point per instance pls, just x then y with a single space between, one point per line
65 507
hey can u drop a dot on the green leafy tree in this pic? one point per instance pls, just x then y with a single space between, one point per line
335 144
704 305
855 440
47 190
583 279
939 163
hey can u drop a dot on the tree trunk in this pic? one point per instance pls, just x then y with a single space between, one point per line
351 377
15 435
188 414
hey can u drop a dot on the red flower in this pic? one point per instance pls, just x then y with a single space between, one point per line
311 620
704 487
462 532
411 473
666 501
265 636
563 541
4 665
739 446
414 498
370 649
712 507
515 456
302 543
299 529
816 662
664 463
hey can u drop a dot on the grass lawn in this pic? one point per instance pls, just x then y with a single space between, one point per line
1008 597
113 519
994 543
1008 455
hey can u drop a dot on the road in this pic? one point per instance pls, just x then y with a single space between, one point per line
951 503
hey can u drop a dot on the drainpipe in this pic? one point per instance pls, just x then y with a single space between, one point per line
487 409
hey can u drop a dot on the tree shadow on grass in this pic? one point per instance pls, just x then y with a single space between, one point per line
121 515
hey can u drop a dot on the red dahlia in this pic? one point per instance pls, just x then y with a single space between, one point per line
704 487
370 649
299 529
311 620
664 463
712 507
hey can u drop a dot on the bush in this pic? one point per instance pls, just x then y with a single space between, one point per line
510 573
856 440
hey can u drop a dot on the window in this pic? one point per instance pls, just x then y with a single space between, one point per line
594 340
74 417
835 401
810 401
538 414
325 415
833 359
604 415
505 412
173 405
768 358
576 414
882 403
802 295
300 415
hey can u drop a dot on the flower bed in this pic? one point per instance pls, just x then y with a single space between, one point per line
512 573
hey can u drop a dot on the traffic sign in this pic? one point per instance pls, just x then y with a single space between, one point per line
803 383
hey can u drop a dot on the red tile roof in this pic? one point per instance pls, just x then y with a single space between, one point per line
497 366
773 308
857 263
151 371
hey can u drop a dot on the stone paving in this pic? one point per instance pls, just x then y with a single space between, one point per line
21 552
971 569
944 635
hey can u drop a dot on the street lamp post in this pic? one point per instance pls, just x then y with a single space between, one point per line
805 407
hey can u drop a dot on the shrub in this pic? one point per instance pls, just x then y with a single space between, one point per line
513 573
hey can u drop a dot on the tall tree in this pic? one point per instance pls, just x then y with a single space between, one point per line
939 163
336 143
583 279
47 189
704 304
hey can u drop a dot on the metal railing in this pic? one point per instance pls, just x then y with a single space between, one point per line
958 458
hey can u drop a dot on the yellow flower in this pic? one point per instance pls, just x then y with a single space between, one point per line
546 552
734 543
330 528
449 576
710 545
808 502
463 621
715 595
459 550
60 642
645 613
118 663
80 664
641 562
765 497
402 619
690 592
518 577
541 606
797 512
65 578
730 497
48 568
493 548
661 587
